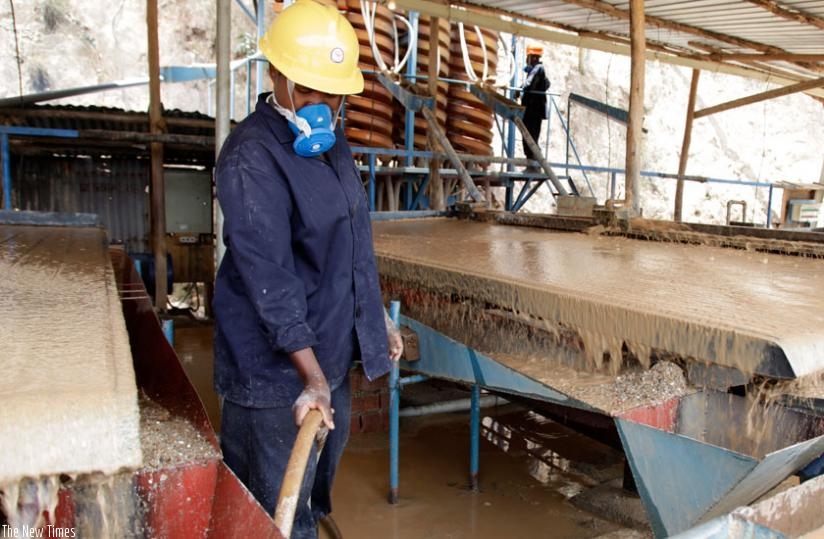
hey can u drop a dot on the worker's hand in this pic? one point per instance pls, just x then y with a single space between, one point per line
395 341
315 396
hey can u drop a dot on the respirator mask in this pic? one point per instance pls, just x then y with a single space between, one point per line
313 125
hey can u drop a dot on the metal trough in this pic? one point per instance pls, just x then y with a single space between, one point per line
701 456
194 497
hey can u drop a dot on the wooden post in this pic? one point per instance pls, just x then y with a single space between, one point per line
636 104
157 189
437 198
685 147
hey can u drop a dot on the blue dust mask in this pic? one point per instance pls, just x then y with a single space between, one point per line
313 125
321 134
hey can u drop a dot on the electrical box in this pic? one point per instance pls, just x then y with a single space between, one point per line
188 202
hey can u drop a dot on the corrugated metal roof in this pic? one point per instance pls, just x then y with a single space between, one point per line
698 33
112 131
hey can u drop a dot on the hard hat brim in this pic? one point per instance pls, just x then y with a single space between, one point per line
328 85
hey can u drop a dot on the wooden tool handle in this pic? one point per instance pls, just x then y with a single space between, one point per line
292 479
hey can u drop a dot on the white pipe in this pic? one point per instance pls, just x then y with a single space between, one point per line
457 405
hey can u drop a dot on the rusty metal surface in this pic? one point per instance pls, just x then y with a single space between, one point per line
758 312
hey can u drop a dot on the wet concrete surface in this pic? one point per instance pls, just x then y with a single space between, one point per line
531 469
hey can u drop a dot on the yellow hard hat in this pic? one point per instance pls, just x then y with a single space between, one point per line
534 49
314 46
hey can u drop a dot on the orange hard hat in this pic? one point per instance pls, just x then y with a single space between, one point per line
534 49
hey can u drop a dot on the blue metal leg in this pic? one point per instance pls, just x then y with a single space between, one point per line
394 415
169 331
475 436
4 149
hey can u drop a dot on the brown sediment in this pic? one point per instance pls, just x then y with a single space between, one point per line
168 440
669 231
729 307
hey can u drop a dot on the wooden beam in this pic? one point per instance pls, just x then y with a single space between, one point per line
158 191
771 94
791 14
436 192
608 9
767 57
777 75
685 147
636 105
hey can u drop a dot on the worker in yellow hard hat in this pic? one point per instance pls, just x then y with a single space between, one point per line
297 298
533 96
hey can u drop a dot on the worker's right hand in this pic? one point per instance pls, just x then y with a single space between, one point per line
315 396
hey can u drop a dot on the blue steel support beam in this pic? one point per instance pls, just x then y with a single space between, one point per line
169 331
503 107
395 215
6 163
187 73
261 29
394 415
372 181
408 99
5 157
510 142
446 358
411 70
525 198
475 436
245 10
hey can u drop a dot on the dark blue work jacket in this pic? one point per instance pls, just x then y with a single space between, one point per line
299 269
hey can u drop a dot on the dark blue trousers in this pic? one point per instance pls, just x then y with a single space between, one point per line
257 442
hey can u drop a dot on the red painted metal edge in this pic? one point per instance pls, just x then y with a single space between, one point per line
660 416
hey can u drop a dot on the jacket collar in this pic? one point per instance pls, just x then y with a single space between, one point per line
283 134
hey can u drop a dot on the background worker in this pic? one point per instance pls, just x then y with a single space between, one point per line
533 96
297 298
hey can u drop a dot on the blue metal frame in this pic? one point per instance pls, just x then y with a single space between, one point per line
683 478
5 131
394 414
445 358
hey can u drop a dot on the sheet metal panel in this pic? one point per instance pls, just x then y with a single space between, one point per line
445 358
115 189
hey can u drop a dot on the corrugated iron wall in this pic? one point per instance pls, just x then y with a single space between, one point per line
114 188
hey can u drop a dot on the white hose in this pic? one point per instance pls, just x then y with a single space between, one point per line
369 23
483 48
470 71
368 11
410 46
512 63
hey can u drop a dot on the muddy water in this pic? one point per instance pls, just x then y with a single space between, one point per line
193 345
524 489
529 469
722 305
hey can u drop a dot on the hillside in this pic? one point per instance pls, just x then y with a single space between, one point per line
69 43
